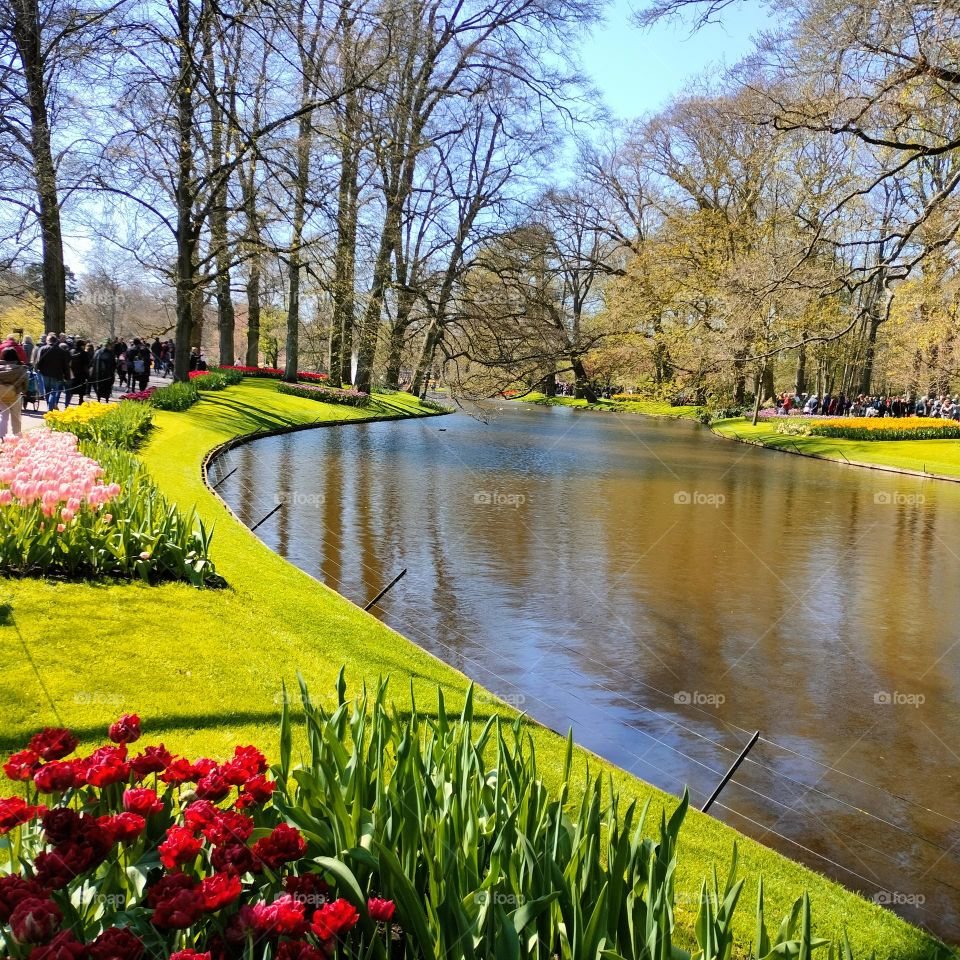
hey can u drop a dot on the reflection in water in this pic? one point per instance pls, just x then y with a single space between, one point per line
665 593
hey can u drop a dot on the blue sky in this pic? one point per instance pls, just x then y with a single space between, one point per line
639 70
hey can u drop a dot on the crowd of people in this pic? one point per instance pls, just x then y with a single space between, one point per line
944 407
63 367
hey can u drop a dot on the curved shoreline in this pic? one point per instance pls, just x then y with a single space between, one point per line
244 438
727 433
708 840
882 467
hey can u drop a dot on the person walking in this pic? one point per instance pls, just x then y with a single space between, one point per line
53 365
120 352
138 364
79 373
103 368
14 343
13 385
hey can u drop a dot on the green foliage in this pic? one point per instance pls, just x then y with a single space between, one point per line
793 427
450 818
208 380
176 543
350 398
123 425
175 396
230 376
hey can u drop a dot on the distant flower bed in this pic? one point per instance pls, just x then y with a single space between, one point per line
122 425
273 373
886 428
92 511
140 396
771 413
351 398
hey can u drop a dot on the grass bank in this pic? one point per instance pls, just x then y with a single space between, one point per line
203 668
649 408
935 457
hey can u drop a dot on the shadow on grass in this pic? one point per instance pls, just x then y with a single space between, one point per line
154 727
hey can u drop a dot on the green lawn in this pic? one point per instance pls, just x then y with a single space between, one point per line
204 668
649 408
940 457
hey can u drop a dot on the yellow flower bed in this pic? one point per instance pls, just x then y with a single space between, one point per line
886 428
75 416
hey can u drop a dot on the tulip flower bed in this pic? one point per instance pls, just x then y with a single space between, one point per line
399 836
886 428
350 398
120 856
270 373
91 511
121 425
141 396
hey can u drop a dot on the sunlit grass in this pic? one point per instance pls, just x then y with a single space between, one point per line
650 408
204 668
925 456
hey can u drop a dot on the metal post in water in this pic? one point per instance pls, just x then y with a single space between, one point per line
268 516
733 769
230 474
389 586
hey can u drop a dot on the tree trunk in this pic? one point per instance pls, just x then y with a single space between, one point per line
395 356
219 227
252 358
253 250
800 378
767 388
370 327
345 254
583 388
291 367
421 374
226 318
869 355
293 321
27 35
185 235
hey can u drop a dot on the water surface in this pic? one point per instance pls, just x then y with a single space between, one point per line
665 593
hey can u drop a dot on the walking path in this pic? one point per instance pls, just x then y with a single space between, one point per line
34 418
